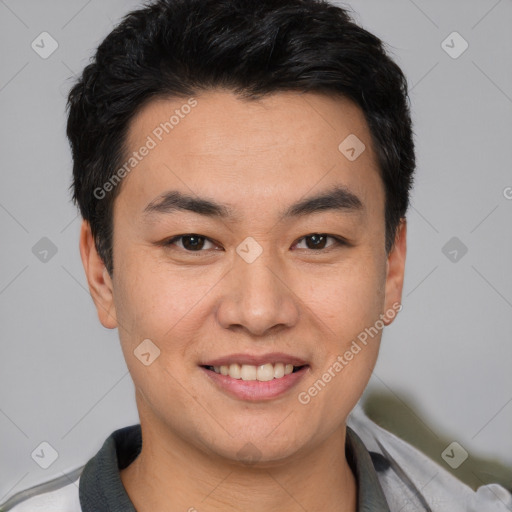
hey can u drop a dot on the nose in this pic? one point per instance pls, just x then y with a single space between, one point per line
258 297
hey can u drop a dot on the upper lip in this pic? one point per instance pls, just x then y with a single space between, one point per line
255 360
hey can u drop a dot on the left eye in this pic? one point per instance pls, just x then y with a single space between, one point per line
318 241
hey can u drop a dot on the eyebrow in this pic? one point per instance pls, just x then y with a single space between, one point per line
338 198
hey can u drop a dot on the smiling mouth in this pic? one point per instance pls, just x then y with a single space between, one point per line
249 372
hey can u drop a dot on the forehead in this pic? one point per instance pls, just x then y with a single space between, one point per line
250 151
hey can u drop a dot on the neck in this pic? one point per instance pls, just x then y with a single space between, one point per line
170 474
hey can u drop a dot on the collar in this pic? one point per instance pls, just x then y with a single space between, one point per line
101 488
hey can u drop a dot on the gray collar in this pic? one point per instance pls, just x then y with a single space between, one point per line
101 488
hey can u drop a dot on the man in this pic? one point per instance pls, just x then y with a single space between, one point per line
243 170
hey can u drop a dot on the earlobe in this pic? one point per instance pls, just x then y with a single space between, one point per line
395 273
100 283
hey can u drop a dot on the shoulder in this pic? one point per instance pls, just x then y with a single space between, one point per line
57 495
412 481
89 484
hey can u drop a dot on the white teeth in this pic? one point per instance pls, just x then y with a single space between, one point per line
234 371
278 370
263 373
248 372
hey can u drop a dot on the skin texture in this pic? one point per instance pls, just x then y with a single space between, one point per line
258 157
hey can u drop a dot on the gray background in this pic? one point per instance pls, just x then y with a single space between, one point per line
63 379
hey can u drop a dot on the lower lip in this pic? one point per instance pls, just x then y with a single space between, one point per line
255 389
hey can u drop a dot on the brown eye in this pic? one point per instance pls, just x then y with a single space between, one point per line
191 242
318 241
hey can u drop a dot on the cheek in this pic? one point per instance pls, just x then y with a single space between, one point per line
152 297
167 306
346 306
347 297
155 304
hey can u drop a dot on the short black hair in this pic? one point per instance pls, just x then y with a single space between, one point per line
253 48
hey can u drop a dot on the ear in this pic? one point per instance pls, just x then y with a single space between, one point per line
395 273
100 283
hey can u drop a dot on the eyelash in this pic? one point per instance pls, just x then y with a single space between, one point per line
339 242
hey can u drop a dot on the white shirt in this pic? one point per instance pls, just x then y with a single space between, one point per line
411 481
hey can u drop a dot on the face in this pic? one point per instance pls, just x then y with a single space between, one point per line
262 278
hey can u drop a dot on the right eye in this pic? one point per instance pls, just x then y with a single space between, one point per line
191 242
